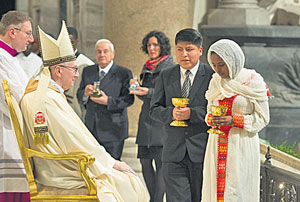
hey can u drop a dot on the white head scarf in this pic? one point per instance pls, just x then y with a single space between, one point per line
240 77
231 53
242 81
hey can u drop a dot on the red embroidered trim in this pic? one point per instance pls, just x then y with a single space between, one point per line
222 151
268 91
209 119
238 121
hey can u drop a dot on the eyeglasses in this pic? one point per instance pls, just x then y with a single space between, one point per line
73 69
29 34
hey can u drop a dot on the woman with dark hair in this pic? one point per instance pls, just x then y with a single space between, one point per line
149 137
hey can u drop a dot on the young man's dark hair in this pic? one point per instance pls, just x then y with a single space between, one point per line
191 35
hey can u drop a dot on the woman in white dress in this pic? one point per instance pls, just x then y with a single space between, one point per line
232 164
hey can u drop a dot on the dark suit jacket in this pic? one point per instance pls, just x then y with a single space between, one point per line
179 140
110 120
149 130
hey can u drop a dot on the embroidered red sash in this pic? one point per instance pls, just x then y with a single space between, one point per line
222 151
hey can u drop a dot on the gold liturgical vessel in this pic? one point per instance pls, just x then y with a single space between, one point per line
217 111
179 102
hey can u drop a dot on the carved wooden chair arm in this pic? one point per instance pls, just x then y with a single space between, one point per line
81 158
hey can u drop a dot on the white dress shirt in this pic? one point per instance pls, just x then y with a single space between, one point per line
192 75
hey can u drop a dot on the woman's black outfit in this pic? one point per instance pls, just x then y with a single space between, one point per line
149 137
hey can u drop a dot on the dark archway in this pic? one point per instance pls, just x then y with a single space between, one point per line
6 5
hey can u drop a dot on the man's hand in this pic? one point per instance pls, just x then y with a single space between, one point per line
140 91
123 167
88 90
103 99
181 113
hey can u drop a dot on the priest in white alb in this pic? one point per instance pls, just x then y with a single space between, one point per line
15 35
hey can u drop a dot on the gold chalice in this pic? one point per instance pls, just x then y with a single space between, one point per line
217 111
179 102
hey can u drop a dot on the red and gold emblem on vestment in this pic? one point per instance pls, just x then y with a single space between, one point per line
39 118
41 135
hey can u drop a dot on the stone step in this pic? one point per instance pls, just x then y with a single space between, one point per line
130 157
133 163
130 154
130 142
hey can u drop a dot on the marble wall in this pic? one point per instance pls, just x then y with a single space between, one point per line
274 52
127 22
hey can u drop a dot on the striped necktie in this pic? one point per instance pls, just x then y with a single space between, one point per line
102 74
186 87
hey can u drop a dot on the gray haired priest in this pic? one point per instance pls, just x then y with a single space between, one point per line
64 131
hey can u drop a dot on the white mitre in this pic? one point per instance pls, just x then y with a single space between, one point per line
56 51
53 52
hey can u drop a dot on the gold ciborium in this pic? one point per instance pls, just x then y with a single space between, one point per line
179 102
217 111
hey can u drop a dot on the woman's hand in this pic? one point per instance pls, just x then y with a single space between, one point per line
140 91
132 81
123 167
222 121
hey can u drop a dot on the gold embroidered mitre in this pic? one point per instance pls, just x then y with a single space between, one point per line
56 51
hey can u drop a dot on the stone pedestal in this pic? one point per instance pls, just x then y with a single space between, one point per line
274 52
238 12
238 16
238 4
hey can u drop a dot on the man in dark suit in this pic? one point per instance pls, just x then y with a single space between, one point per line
183 147
106 116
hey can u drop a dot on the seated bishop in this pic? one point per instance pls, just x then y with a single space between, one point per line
45 104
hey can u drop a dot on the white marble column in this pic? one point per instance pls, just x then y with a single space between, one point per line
238 12
22 5
126 24
88 18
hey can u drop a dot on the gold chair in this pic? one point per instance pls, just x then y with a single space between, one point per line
49 194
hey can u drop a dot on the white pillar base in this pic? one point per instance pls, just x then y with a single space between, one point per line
238 16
